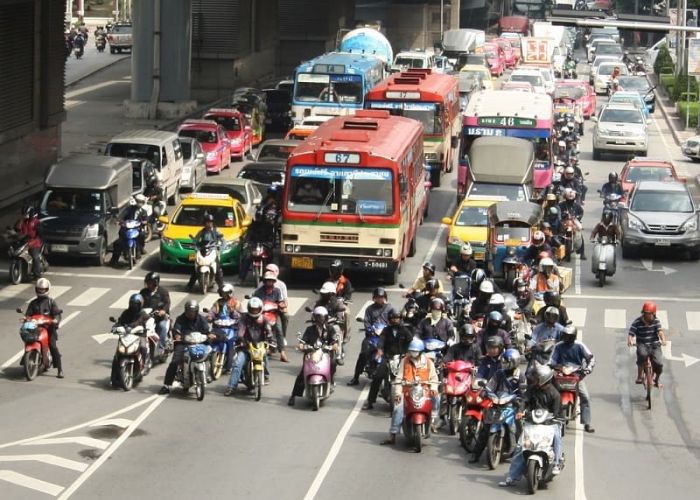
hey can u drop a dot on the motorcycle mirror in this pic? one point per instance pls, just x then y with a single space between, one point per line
359 320
401 285
481 383
247 297
205 310
112 319
314 291
19 310
528 336
308 309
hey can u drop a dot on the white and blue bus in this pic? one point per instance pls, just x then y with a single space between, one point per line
334 84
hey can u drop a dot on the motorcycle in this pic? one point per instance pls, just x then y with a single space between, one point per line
132 366
100 42
499 419
573 240
611 201
570 73
205 261
456 384
461 304
521 329
253 374
131 229
567 378
317 373
417 408
222 350
391 374
473 419
434 349
154 209
372 345
411 313
341 329
34 332
192 372
260 256
603 263
537 441
21 260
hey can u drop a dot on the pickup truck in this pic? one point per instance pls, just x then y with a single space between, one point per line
120 38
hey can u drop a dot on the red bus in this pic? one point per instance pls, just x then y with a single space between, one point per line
355 190
432 99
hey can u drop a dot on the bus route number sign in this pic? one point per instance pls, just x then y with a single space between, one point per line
342 158
506 121
400 94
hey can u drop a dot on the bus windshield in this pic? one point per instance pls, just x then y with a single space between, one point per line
341 190
428 113
344 89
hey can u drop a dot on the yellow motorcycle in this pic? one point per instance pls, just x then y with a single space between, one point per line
253 374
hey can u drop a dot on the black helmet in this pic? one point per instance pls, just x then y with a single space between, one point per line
612 177
437 304
393 314
152 277
30 212
336 267
551 298
467 332
569 334
495 319
208 218
431 285
519 283
607 216
478 276
378 292
543 374
494 341
429 266
136 302
191 305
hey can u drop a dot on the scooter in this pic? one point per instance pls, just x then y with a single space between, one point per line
100 43
35 335
500 418
417 413
129 240
567 378
317 373
471 424
371 344
455 385
193 370
21 260
154 209
222 351
537 441
132 366
205 261
461 305
391 374
573 240
253 374
260 256
603 263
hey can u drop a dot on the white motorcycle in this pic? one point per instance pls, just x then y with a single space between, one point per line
205 261
537 441
132 366
154 227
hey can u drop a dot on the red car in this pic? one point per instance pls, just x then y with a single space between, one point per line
496 58
213 139
238 131
646 169
509 52
587 98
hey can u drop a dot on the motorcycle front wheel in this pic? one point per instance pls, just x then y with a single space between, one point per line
533 476
601 278
131 255
493 448
199 385
217 364
257 384
147 233
454 416
204 283
315 397
31 364
126 374
16 271
468 431
417 438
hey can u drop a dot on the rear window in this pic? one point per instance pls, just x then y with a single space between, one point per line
123 29
637 174
203 136
193 215
228 122
232 191
267 177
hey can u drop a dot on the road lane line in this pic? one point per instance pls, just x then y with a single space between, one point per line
10 292
294 304
57 291
83 440
116 422
615 318
103 276
30 482
88 297
663 139
577 277
47 459
123 301
337 444
90 88
693 320
175 299
663 318
109 451
361 313
577 315
632 297
139 264
580 486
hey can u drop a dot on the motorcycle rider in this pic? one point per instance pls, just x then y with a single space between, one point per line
490 362
553 216
268 293
574 352
327 298
553 299
480 306
319 330
430 292
260 231
498 303
136 211
550 329
509 379
131 317
376 312
539 245
158 299
478 276
225 307
523 296
30 227
465 264
570 64
208 235
606 227
416 366
252 327
570 208
274 269
546 277
541 394
492 328
550 239
613 186
343 287
562 153
436 325
46 306
467 349
79 44
570 181
191 320
646 331
428 274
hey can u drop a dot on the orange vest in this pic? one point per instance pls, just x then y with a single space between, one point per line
542 285
411 372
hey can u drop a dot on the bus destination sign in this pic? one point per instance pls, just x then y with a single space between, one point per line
507 121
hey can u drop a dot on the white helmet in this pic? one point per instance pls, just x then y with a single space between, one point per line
466 249
255 307
269 275
486 286
42 287
328 287
569 194
497 300
320 311
140 199
562 144
546 262
226 288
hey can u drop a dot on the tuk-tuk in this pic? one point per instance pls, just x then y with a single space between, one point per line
251 102
511 225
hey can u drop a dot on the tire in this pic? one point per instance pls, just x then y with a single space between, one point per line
217 365
468 431
532 472
204 283
31 364
132 257
628 251
257 384
694 253
199 385
601 278
16 271
596 154
102 259
493 450
315 398
112 50
455 414
148 232
126 376
417 438
649 378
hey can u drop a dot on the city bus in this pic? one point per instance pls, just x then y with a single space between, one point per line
355 190
432 99
334 84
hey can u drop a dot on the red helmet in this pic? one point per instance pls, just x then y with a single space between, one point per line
649 307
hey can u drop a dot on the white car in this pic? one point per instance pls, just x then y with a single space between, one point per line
412 59
597 62
620 128
593 46
602 76
691 148
531 76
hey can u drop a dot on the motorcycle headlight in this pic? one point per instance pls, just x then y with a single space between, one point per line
92 231
691 224
211 155
634 223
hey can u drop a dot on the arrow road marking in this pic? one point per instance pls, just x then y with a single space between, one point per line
649 266
47 459
116 422
85 441
30 482
101 338
688 360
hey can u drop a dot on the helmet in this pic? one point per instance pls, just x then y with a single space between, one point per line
269 275
255 306
431 285
226 288
273 269
551 313
510 359
140 199
538 238
135 299
573 160
607 216
519 284
569 194
494 341
379 292
486 286
467 331
648 307
562 144
551 197
393 314
192 305
208 218
554 211
429 266
545 225
551 298
569 334
320 311
43 286
416 345
327 288
30 212
336 267
478 276
495 319
569 170
437 304
546 262
543 374
152 277
497 300
466 250
542 255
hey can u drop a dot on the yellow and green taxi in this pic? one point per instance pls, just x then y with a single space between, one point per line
469 225
482 71
176 246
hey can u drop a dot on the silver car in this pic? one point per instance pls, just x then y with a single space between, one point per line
691 148
660 214
243 190
194 168
620 128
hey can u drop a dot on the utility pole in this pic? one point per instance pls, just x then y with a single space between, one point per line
455 9
442 18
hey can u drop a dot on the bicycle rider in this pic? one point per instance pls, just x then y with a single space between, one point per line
649 335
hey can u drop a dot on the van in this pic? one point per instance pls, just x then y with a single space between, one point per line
85 197
159 147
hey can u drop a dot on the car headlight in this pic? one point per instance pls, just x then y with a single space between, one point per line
634 223
236 141
92 231
167 241
211 155
691 224
603 131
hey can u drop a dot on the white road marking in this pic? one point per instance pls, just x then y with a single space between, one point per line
82 440
663 138
123 301
579 482
58 290
294 304
663 318
577 315
615 318
73 104
116 444
175 299
693 320
138 265
90 88
438 238
88 297
116 422
335 448
105 276
361 313
11 291
635 298
46 459
577 277
30 482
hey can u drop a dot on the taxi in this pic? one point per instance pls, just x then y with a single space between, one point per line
469 224
176 245
483 71
307 127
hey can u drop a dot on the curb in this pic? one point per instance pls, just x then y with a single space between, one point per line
96 70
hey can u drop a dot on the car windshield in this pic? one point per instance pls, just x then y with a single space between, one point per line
506 232
534 80
267 177
621 116
569 92
122 29
600 60
193 215
639 84
626 99
472 216
427 113
235 192
341 190
85 201
186 149
636 174
228 122
312 87
661 201
512 192
276 151
129 150
203 136
607 69
410 62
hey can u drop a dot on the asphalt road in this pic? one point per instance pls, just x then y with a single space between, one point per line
78 437
91 62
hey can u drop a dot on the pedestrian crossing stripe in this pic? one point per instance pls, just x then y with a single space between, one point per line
615 318
10 292
361 312
692 318
577 315
89 296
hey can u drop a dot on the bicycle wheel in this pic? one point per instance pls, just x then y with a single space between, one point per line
648 381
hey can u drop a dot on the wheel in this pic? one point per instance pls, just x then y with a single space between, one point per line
31 364
532 473
417 438
628 251
204 283
596 154
126 374
199 384
217 365
315 397
601 278
257 384
102 259
455 414
468 431
694 253
649 382
132 257
148 233
16 271
493 449
112 50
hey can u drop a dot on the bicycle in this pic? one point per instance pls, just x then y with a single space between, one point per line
648 375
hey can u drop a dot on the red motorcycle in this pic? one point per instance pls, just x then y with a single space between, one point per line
417 413
458 380
567 378
35 335
260 255
472 421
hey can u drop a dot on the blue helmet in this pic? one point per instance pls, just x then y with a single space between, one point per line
510 359
135 299
416 345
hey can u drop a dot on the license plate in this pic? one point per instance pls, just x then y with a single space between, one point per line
620 141
662 243
59 248
375 264
302 263
191 257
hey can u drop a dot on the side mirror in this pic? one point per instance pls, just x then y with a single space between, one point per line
247 297
308 309
359 320
163 219
594 119
112 319
19 310
446 220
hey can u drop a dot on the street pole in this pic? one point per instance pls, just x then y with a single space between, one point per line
442 18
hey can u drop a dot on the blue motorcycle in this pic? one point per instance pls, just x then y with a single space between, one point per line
222 352
129 236
371 347
500 420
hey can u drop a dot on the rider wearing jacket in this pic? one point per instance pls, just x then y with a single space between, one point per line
553 299
480 305
46 306
135 211
226 307
492 328
466 264
613 186
376 312
157 298
533 252
132 317
435 325
466 349
491 362
208 235
30 227
270 294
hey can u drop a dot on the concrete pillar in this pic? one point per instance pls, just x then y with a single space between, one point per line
81 8
455 7
176 50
